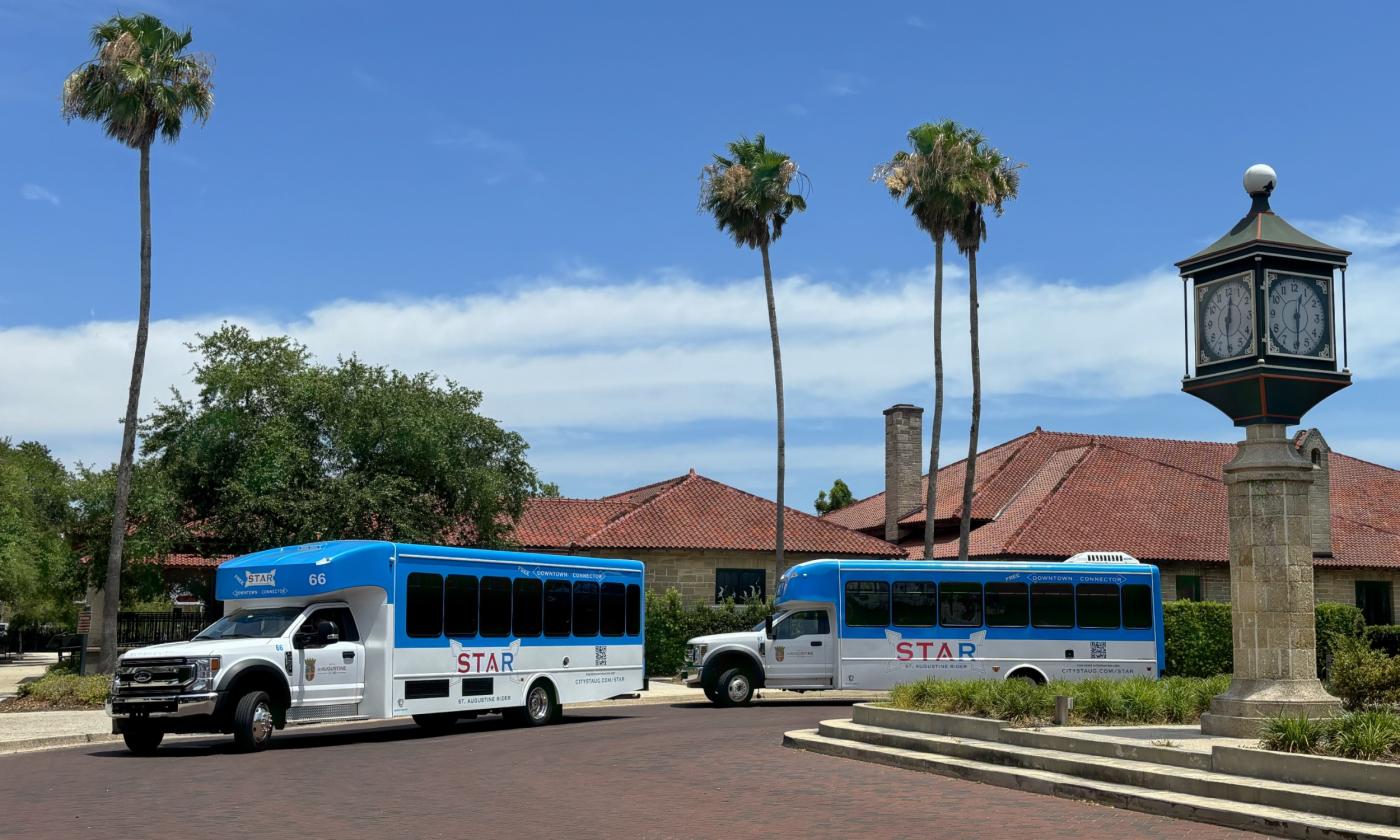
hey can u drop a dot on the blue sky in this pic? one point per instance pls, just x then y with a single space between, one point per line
506 193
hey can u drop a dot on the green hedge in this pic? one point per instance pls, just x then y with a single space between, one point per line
1199 643
1136 700
1198 640
1336 621
1362 676
1384 638
67 689
670 625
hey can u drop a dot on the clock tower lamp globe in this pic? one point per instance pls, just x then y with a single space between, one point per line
1261 308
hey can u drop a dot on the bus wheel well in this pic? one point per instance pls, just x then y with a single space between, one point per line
257 678
732 659
1025 672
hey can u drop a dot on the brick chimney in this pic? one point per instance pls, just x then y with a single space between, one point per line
904 457
1314 447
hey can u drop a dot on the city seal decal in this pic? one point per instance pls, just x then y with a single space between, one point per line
310 669
778 653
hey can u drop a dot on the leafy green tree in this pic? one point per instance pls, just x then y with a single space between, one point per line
930 178
989 179
276 449
37 581
155 528
140 83
548 490
839 497
750 196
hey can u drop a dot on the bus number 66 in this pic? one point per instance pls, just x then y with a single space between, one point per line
316 579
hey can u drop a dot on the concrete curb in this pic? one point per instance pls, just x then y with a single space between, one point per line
51 741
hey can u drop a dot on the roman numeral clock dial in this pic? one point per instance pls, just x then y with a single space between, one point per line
1227 319
1299 316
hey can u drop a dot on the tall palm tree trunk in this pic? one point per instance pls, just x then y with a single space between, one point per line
778 386
932 498
111 590
971 471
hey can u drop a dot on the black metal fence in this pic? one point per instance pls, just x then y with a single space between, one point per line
135 629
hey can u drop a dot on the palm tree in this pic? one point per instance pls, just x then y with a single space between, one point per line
930 178
750 195
990 180
139 84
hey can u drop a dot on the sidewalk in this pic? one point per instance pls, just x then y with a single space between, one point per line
14 669
40 730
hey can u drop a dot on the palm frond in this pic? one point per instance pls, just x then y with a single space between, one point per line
140 82
752 193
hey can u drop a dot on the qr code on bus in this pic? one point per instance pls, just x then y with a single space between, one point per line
1098 650
600 655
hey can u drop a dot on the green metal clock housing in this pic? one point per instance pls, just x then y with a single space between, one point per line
1263 312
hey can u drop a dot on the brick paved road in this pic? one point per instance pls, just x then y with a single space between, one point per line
636 771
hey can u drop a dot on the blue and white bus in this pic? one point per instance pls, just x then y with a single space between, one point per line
357 630
872 624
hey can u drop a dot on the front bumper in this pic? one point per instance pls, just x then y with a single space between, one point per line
162 706
691 678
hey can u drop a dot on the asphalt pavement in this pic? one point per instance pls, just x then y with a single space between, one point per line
659 770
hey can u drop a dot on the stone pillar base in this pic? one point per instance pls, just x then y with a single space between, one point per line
1241 711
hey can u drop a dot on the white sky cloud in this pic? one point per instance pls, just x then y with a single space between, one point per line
34 192
1356 233
562 356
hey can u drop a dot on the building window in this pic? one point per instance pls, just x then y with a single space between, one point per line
1188 588
1373 598
743 585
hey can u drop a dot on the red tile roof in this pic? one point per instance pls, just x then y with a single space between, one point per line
687 512
1052 494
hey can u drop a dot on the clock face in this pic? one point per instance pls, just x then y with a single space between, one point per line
1300 322
1227 319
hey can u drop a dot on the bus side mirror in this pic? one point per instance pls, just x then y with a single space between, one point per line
299 641
768 626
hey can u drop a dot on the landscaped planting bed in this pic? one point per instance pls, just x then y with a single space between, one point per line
1138 700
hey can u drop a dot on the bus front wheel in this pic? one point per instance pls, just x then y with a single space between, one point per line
253 722
735 687
142 739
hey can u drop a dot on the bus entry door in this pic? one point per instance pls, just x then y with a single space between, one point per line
802 651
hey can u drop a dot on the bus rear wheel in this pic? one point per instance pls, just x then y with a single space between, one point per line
540 707
735 687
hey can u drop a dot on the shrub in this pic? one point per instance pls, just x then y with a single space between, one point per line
1369 735
670 625
1333 621
1385 638
1287 733
62 689
1136 700
1363 676
1197 636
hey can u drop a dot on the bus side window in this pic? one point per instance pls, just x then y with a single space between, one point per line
867 603
585 608
529 606
459 606
495 606
423 612
612 613
1137 606
1052 605
558 602
634 609
1008 605
914 603
960 604
1097 605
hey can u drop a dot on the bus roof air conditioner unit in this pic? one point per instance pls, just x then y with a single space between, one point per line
1102 557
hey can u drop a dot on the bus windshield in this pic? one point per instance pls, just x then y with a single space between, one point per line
265 623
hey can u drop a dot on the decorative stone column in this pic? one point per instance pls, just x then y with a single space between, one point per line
1271 589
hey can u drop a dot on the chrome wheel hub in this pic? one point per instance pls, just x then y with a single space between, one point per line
538 704
262 723
738 688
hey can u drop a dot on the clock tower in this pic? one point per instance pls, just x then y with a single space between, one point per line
1263 305
1261 313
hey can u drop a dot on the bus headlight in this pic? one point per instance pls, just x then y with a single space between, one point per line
206 670
697 654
